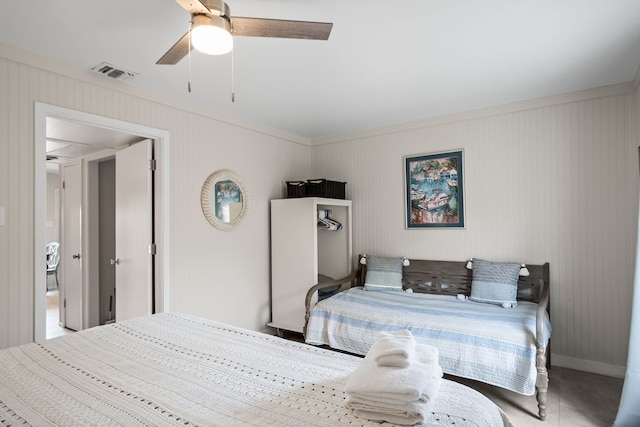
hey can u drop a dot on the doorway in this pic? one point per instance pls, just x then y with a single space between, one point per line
44 112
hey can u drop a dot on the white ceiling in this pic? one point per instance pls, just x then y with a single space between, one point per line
385 62
68 140
71 140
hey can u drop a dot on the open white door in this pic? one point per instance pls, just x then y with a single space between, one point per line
134 231
71 248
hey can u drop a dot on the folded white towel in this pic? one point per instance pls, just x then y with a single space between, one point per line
390 418
401 408
394 360
420 380
427 354
386 399
394 348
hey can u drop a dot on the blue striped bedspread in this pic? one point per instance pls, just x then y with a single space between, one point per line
478 341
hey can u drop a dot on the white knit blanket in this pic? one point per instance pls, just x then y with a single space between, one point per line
170 369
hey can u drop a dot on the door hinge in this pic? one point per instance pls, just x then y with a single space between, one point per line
64 303
152 249
152 164
64 184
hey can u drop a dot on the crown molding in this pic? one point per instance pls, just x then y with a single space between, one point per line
565 98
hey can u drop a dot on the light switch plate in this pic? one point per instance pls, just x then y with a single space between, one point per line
1 216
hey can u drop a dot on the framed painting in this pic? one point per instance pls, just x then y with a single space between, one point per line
434 190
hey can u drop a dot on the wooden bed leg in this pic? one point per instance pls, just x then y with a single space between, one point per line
542 382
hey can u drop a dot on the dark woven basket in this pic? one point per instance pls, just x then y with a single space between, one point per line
296 189
326 188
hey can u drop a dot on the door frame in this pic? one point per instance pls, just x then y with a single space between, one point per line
161 143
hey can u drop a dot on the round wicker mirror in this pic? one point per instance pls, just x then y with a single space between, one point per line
224 199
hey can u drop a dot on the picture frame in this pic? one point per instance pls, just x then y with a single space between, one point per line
434 190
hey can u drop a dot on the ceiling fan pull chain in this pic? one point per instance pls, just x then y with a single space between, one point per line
233 93
189 57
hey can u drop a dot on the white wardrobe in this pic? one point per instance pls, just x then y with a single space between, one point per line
302 251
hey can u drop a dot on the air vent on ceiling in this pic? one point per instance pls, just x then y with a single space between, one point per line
114 72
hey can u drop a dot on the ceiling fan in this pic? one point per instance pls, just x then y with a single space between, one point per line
212 28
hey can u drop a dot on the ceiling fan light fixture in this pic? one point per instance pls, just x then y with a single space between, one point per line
214 16
211 34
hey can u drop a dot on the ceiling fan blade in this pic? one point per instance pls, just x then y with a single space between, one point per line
178 51
280 28
193 6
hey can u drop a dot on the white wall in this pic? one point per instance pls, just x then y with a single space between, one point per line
220 275
549 180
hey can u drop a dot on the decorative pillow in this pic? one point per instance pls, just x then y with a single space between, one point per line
495 282
383 274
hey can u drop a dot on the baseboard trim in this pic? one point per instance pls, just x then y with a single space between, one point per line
587 366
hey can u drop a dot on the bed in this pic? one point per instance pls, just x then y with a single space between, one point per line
505 347
176 369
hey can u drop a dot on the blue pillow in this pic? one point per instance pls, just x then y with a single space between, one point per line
495 282
383 274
